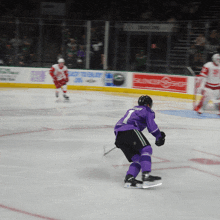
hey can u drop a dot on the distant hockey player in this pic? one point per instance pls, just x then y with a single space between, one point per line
59 73
210 84
135 146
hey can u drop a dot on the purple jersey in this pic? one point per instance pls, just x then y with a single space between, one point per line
139 118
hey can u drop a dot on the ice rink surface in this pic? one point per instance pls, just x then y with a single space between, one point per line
52 163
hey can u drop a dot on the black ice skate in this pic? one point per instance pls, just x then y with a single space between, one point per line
131 182
150 181
66 97
57 94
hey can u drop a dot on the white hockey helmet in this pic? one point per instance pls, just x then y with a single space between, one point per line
216 59
61 60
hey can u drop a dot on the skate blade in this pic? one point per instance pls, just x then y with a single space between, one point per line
138 186
149 185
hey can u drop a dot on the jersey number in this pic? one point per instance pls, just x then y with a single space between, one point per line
128 116
215 72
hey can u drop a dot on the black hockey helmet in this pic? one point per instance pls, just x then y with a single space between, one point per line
145 100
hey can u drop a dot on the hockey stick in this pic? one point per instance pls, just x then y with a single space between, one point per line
190 70
215 101
105 153
193 74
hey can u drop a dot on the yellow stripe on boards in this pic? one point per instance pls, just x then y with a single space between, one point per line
104 89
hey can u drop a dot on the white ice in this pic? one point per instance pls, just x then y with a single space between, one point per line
52 165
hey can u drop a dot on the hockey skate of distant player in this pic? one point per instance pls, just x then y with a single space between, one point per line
209 84
135 146
59 73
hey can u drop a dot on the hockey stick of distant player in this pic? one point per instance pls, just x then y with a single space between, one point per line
105 153
190 70
194 96
215 101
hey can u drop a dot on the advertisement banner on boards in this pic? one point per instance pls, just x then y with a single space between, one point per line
76 76
116 79
85 77
97 78
8 74
160 82
25 75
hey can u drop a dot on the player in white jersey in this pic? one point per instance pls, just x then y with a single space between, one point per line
59 73
210 84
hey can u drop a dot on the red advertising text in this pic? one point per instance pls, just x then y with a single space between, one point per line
160 82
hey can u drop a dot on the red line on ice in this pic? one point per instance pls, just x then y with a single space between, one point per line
207 153
26 213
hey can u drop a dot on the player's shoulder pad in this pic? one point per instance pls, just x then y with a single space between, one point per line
150 112
208 64
144 108
138 108
147 109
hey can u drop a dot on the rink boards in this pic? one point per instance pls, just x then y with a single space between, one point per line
111 81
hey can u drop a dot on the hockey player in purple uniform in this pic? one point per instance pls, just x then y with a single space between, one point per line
135 146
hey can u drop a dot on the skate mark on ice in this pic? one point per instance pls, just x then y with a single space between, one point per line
62 129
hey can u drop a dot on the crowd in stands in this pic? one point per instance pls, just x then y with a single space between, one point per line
74 49
23 50
203 47
124 10
144 10
16 51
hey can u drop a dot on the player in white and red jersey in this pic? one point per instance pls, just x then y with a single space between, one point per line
210 83
59 73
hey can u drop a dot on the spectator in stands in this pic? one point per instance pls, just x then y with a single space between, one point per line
15 43
82 41
10 57
141 60
66 35
14 46
26 54
3 51
147 16
59 56
72 56
94 34
200 42
97 52
21 60
193 10
213 38
81 55
212 43
71 51
72 43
